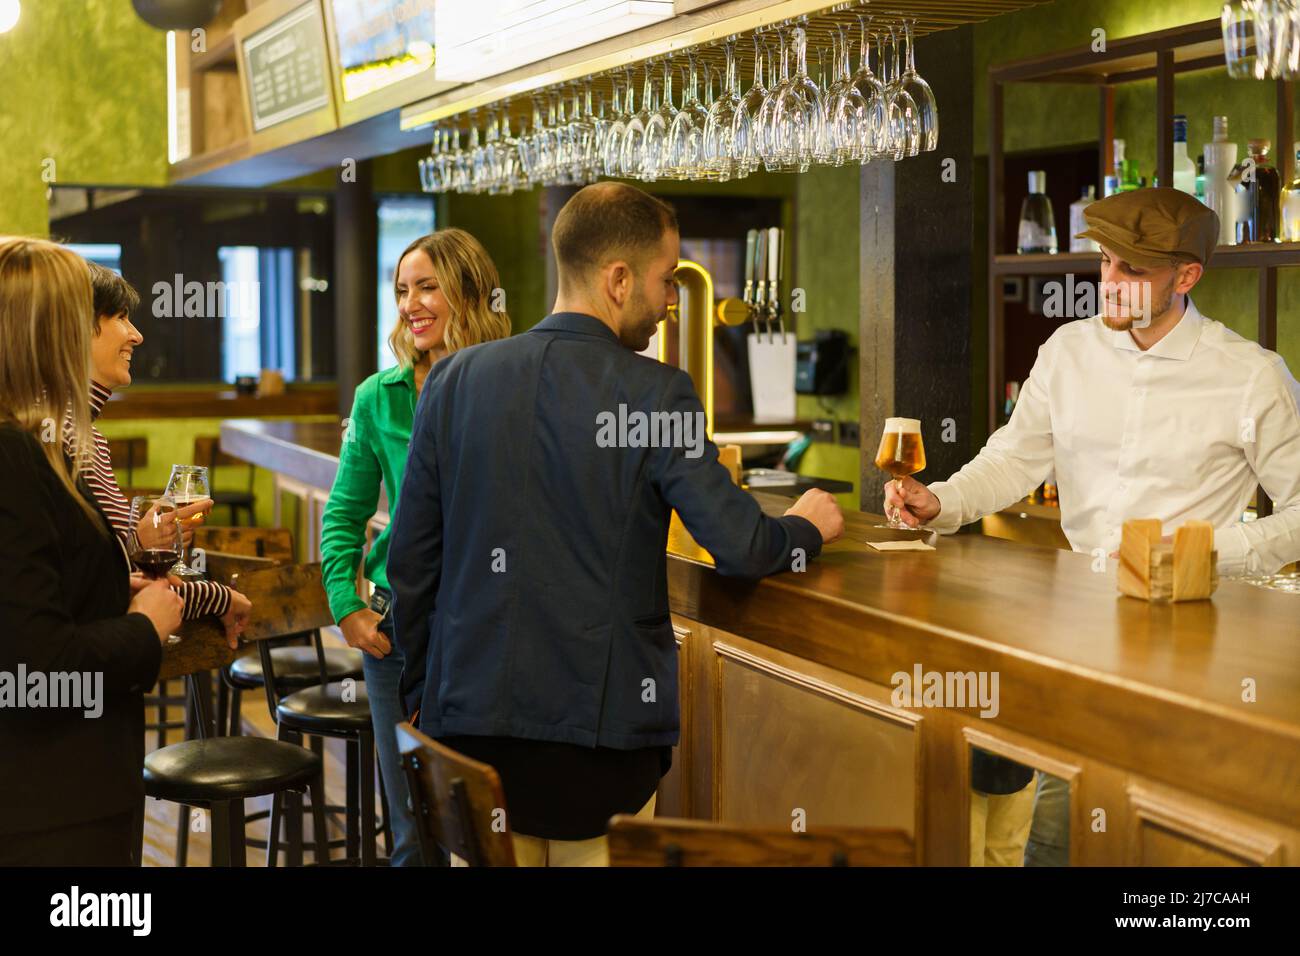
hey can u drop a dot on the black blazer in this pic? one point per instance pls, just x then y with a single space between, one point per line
527 559
63 597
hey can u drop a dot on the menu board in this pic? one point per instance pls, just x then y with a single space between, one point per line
382 43
287 67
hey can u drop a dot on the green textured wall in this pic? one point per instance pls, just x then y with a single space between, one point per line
83 84
826 268
1043 115
508 227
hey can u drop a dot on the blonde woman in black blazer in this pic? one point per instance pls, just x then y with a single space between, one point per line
70 613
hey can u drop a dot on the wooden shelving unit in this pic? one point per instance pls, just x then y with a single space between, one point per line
1161 56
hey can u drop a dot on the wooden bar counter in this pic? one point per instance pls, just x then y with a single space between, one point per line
1176 727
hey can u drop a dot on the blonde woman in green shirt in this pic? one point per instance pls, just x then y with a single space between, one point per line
446 287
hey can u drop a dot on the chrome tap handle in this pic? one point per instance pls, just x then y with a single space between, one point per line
751 240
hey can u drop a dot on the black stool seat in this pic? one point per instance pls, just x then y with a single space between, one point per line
196 772
297 667
322 710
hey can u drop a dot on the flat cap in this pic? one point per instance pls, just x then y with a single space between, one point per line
1153 228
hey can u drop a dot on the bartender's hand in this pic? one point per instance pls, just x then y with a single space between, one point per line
916 505
361 630
821 508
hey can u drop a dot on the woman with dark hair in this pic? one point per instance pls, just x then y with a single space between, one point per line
79 642
446 288
112 343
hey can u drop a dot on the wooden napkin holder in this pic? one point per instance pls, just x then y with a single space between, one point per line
1158 571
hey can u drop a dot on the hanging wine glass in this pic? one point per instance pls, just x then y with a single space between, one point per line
797 116
847 112
748 152
612 148
927 109
683 153
727 130
632 150
773 159
909 117
654 148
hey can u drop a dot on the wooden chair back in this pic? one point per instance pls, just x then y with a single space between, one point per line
208 453
288 598
458 802
274 543
669 842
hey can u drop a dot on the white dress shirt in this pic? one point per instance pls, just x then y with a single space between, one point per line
1184 430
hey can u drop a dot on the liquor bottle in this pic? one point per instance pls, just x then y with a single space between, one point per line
1264 193
1009 405
1200 178
1126 170
1220 159
1079 224
1291 204
1184 168
1037 231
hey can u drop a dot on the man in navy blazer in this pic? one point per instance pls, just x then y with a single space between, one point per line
527 560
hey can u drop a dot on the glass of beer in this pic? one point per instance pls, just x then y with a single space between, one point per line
188 484
901 454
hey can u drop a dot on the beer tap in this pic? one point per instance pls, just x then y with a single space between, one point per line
774 244
751 239
760 289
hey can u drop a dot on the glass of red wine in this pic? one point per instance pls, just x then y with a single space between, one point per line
156 543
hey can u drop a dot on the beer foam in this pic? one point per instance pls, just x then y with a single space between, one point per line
903 425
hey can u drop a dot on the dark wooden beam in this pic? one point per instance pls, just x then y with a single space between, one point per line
1165 117
356 275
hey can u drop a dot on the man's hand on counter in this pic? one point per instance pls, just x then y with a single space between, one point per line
821 508
916 505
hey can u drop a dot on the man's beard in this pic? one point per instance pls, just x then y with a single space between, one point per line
637 333
1124 323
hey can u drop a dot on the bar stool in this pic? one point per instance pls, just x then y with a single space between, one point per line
456 802
667 842
219 773
339 709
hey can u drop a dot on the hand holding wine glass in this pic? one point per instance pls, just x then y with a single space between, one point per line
156 545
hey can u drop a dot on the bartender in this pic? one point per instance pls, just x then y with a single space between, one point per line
1149 410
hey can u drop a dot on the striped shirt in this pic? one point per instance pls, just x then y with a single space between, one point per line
202 598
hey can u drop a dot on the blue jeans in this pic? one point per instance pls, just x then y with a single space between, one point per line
1049 838
382 677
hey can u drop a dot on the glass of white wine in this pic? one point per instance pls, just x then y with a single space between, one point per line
901 454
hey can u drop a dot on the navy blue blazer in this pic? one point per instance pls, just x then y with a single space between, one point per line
527 560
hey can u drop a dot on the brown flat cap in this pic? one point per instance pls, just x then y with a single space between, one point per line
1153 228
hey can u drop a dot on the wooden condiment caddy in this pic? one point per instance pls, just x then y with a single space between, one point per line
1158 571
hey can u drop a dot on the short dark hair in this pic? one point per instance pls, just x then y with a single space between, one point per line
113 294
607 221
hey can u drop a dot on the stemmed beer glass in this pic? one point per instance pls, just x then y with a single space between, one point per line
901 454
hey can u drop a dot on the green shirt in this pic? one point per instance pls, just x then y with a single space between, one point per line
375 446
